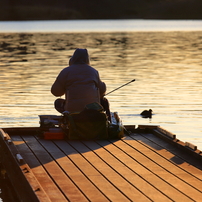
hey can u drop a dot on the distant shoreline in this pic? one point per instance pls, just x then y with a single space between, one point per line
73 26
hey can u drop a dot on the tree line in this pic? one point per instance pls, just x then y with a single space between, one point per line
99 9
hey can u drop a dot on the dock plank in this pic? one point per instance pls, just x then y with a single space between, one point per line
182 167
165 170
139 167
113 157
67 187
185 161
44 179
91 192
110 173
91 172
23 179
137 163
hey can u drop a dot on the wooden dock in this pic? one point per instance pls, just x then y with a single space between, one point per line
150 164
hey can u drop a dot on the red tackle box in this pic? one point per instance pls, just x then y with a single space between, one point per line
54 134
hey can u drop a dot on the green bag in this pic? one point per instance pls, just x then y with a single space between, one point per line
115 131
91 123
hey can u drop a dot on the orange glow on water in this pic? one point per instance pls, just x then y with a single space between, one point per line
166 66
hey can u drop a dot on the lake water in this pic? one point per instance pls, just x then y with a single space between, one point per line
166 66
163 56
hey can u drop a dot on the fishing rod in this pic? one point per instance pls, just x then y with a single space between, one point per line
121 86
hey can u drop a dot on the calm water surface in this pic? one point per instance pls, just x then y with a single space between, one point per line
163 56
166 66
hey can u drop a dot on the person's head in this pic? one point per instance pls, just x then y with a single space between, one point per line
80 56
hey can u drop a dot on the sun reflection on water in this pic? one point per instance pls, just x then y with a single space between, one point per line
166 66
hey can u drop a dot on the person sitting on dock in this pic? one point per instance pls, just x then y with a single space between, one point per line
81 85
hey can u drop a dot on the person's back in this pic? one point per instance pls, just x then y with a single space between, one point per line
79 82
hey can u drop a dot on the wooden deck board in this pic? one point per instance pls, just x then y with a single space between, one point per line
140 167
67 187
144 168
110 155
182 165
87 187
91 172
44 179
175 155
168 171
110 173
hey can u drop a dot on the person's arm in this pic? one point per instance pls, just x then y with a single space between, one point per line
58 87
102 87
